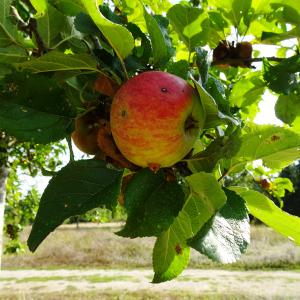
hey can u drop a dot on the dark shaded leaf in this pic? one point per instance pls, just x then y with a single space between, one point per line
39 113
226 236
202 64
85 24
161 44
76 189
281 78
151 203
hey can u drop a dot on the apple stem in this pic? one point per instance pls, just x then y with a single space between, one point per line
154 167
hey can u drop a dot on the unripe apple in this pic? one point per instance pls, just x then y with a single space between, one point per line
155 119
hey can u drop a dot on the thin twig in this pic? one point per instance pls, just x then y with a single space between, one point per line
69 140
40 43
224 175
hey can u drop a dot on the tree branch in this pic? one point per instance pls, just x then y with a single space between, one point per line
241 61
40 43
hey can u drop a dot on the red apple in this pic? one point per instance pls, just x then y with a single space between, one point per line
155 119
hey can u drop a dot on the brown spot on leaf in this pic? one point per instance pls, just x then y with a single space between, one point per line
275 138
178 249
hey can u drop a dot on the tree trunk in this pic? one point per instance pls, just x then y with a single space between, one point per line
3 179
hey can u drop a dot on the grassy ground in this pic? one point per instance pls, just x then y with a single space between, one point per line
71 294
95 247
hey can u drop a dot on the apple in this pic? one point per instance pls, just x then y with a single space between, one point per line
85 134
155 119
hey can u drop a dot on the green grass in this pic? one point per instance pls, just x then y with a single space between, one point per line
92 247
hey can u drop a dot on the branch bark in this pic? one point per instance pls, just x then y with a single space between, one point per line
3 179
239 61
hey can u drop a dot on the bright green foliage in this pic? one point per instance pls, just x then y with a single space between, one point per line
276 146
265 210
40 6
118 36
247 90
287 108
170 251
51 55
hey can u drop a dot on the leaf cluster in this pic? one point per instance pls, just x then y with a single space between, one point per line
50 62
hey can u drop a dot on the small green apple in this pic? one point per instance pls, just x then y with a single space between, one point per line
155 119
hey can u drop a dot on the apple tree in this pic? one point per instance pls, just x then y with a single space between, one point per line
65 67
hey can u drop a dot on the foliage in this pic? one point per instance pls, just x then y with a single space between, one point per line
51 60
20 211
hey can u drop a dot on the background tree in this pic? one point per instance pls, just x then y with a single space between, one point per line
64 61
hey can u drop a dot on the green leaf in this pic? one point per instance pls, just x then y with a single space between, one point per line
226 236
202 64
50 25
68 7
287 108
287 11
38 113
74 190
151 202
213 117
247 90
280 185
179 68
8 30
265 210
40 6
276 146
85 24
281 78
235 9
217 90
273 38
117 35
58 61
160 41
221 148
12 54
170 254
186 21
